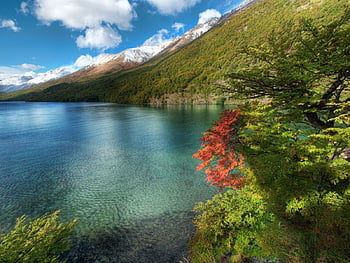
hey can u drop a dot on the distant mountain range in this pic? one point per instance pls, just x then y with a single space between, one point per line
186 69
107 63
133 57
30 79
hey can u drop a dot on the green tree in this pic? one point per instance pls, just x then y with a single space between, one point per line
297 144
305 181
41 240
296 141
303 68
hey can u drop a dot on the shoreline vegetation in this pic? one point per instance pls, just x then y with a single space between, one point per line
41 240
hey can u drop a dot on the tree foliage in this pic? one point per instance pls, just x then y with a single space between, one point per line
218 154
229 224
296 142
304 178
41 240
308 70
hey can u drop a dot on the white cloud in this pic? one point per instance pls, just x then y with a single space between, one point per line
83 61
8 71
178 27
208 15
26 67
9 24
81 14
102 37
14 75
17 69
24 8
157 39
95 17
172 7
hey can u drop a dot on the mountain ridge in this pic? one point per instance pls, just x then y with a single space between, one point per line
115 62
192 73
108 63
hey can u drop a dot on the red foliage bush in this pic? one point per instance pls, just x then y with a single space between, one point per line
218 153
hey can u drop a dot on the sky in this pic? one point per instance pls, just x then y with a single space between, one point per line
41 35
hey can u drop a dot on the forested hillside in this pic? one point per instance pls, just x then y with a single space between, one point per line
194 71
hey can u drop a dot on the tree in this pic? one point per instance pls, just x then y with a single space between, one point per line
218 153
296 142
296 145
304 180
306 69
42 240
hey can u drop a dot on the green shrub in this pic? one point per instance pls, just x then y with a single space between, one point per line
41 240
229 225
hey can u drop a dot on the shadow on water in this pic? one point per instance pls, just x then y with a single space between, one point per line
161 239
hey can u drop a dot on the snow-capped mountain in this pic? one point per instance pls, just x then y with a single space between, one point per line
106 63
200 29
138 55
29 79
144 53
191 35
52 74
111 63
133 57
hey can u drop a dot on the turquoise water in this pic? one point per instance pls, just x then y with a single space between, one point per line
125 171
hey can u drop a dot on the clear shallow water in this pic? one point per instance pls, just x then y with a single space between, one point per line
125 171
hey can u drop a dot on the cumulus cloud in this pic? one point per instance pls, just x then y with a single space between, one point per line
208 15
172 7
94 17
80 14
157 39
178 27
9 24
102 37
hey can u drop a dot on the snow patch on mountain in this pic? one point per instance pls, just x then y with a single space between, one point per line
141 54
50 75
245 3
200 29
138 55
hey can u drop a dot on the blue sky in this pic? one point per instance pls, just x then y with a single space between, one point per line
40 35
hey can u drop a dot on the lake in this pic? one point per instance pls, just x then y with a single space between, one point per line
125 172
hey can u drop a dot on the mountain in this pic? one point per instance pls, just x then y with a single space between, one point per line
29 79
184 72
111 63
133 57
52 74
106 63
